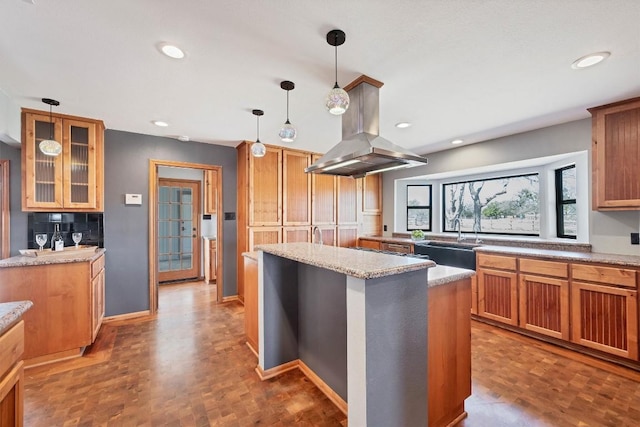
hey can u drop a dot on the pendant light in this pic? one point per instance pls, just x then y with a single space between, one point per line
287 132
50 146
337 100
257 148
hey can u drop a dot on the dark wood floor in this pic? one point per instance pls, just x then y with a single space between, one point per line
189 366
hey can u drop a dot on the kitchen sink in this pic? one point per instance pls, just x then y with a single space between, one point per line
453 254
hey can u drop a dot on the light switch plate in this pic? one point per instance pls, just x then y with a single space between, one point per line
132 199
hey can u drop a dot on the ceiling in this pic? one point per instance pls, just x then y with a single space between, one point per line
470 69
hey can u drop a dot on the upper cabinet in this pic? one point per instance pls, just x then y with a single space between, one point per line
211 192
616 155
296 188
71 181
265 183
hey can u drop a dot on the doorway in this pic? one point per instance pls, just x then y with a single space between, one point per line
154 197
178 230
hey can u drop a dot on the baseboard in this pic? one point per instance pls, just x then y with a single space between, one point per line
253 350
126 316
307 372
328 391
55 357
231 298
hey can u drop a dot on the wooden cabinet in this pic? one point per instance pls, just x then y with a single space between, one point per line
544 301
12 376
605 316
296 188
68 306
366 243
323 193
265 188
498 288
97 295
211 192
264 235
347 202
251 303
296 234
347 236
615 155
72 181
403 248
210 266
370 213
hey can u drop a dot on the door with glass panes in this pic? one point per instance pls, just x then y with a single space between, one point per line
178 230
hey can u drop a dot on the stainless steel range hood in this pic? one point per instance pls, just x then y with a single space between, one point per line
362 151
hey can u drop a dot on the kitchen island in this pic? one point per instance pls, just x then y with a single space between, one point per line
67 291
356 324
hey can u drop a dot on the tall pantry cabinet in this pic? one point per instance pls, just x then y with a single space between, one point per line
279 203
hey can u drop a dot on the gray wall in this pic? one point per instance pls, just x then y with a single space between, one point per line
126 227
608 231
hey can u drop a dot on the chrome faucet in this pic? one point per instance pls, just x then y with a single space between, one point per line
460 236
313 231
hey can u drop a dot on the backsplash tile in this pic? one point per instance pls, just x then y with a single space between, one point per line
91 225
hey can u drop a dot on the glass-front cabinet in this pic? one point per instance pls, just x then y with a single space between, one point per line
70 181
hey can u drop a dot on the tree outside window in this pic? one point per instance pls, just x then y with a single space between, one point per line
566 212
504 205
419 207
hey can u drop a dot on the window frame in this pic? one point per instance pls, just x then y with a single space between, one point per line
466 181
561 202
429 207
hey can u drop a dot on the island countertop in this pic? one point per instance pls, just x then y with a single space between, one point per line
62 258
360 264
10 312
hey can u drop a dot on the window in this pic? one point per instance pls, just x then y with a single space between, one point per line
504 205
566 212
419 207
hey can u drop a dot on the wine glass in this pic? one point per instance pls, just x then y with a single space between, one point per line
41 239
76 238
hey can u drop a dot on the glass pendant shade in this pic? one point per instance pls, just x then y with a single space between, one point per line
258 149
337 101
287 132
50 147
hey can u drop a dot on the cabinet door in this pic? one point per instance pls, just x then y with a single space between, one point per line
12 397
329 235
265 188
616 154
296 234
544 305
605 318
347 201
42 175
251 303
264 235
347 236
211 192
371 244
213 261
80 164
498 295
323 190
296 188
97 301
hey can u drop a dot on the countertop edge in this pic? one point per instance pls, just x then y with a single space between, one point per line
442 275
613 259
10 312
25 261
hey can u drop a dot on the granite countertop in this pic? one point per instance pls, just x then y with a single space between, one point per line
10 312
360 264
593 257
64 257
443 274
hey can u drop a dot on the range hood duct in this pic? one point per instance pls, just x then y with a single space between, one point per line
362 151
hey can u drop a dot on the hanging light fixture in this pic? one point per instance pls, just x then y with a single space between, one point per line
287 132
338 99
50 146
257 148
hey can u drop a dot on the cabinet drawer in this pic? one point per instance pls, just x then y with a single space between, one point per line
546 268
609 275
396 247
11 346
96 266
497 261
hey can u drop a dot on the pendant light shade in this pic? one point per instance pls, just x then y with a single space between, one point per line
257 148
50 147
288 131
337 100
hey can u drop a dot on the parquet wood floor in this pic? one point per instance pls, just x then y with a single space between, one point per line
189 366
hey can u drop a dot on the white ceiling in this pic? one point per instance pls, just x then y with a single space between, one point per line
470 69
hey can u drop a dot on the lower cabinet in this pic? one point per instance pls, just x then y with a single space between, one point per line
370 244
593 305
12 376
251 302
97 302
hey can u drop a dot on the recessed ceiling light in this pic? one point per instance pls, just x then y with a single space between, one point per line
183 138
403 125
160 123
457 141
172 51
590 60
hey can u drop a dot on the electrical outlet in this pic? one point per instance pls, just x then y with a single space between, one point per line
385 227
635 238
